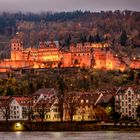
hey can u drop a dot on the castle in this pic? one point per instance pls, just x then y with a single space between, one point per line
97 55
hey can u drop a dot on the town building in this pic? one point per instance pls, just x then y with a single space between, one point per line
46 104
19 108
127 100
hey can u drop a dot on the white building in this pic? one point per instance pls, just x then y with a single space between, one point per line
19 106
126 101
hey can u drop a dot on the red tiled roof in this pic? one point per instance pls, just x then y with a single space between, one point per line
124 88
24 101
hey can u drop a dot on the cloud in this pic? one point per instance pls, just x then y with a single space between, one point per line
67 5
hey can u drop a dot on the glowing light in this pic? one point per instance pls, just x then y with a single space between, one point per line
18 124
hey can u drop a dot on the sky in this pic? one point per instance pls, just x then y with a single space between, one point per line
67 5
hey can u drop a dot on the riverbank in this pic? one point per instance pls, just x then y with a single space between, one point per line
67 126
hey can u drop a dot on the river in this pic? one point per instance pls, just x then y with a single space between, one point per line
95 135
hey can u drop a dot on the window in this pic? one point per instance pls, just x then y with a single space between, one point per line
129 106
129 93
126 97
126 110
87 101
122 103
129 99
82 101
122 110
126 103
129 113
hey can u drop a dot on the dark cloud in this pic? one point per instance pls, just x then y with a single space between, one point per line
67 5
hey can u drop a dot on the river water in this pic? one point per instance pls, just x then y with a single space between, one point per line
95 135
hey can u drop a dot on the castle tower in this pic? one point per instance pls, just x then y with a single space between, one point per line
16 49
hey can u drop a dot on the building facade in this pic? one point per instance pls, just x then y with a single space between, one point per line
126 101
97 55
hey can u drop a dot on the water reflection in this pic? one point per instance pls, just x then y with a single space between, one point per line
95 135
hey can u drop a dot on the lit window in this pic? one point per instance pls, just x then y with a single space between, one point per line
82 101
87 101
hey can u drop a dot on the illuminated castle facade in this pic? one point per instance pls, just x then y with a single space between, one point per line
98 56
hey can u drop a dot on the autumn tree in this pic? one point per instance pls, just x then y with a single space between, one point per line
123 38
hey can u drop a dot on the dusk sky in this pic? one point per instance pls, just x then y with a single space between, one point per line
67 5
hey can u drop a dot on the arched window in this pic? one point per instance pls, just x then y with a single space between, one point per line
129 99
125 96
129 106
129 93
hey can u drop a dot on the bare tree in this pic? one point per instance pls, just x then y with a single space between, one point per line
28 110
61 106
5 107
71 102
42 108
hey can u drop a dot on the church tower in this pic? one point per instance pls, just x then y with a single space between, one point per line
16 49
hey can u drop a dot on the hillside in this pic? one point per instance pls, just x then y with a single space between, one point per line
120 28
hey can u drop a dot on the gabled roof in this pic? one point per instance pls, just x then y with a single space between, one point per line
45 103
123 89
105 98
45 91
91 97
24 101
